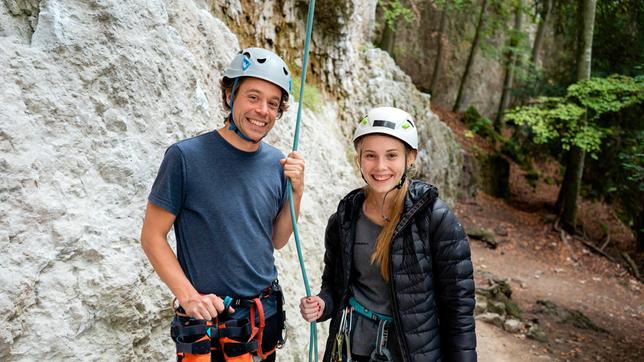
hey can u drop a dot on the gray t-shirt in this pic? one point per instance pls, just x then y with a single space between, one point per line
370 290
225 201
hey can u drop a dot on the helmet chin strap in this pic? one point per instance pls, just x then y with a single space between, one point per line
232 126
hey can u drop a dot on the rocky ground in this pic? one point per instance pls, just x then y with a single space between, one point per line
543 295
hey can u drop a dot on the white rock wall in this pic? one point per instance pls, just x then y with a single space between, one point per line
92 92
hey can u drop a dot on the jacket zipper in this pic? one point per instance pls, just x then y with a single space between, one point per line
402 343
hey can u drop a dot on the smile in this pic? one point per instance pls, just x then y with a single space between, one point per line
381 177
257 123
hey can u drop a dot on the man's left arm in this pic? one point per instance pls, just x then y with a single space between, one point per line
293 166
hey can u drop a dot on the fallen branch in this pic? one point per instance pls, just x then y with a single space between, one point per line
631 264
607 240
564 239
556 224
595 249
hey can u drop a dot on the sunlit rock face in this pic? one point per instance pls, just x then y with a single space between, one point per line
93 92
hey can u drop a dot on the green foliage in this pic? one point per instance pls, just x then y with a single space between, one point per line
393 10
632 162
633 165
453 4
312 96
500 13
618 38
535 82
618 45
480 125
603 95
572 120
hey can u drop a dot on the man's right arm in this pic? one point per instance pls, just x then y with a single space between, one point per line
156 225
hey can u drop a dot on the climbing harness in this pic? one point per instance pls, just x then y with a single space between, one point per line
353 302
238 340
313 340
341 351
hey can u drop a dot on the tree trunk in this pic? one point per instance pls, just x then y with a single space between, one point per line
572 179
470 58
512 61
387 41
439 52
570 188
538 38
586 41
639 226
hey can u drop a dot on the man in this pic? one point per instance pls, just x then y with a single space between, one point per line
225 193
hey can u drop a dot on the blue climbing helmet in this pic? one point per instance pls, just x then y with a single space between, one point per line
260 63
257 63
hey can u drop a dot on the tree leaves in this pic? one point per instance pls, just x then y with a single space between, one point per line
573 119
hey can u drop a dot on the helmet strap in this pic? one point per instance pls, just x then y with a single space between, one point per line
232 126
404 175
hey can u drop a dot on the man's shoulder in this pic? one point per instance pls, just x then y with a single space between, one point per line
272 151
193 143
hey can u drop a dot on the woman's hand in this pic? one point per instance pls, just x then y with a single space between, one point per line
311 308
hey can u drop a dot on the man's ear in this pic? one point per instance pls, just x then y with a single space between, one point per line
228 97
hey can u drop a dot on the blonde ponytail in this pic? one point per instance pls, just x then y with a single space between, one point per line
382 250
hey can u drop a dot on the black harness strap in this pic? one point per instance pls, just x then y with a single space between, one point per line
238 349
201 347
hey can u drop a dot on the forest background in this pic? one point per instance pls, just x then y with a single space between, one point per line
562 44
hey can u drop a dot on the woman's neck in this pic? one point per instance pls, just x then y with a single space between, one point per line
374 208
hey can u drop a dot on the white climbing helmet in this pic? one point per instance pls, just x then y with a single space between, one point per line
390 121
260 63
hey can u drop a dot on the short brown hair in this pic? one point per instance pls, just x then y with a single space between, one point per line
226 85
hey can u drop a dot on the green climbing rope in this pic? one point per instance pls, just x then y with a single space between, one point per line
313 339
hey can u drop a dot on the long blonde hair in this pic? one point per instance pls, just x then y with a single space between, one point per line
382 249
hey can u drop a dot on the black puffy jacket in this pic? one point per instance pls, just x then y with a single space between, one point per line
433 309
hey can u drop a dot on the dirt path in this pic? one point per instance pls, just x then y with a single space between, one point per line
496 345
538 267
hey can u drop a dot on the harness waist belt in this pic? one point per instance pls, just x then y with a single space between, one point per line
247 301
368 313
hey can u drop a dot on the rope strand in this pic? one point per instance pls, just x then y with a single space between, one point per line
313 343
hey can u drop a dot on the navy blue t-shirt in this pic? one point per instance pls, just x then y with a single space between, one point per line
225 201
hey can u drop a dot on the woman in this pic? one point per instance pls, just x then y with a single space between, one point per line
397 278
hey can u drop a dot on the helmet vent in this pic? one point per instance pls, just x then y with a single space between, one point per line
247 55
285 71
378 123
261 60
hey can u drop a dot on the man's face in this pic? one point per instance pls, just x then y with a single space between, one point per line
255 107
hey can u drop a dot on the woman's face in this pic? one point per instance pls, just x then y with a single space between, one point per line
382 161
